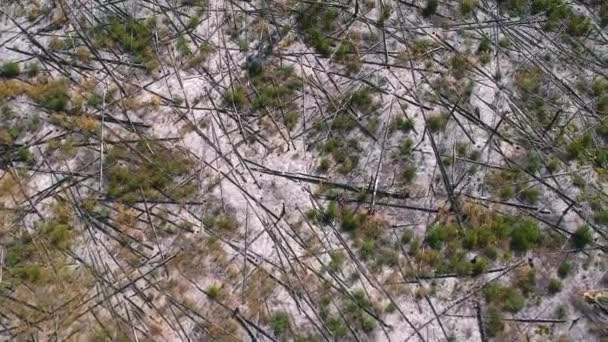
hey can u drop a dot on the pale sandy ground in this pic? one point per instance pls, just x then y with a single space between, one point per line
275 192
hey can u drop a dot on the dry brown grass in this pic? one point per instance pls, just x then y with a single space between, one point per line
86 123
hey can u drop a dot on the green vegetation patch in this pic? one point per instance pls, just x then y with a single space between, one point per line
506 298
157 175
317 21
355 109
366 231
582 237
599 89
530 85
344 154
355 311
485 236
558 11
221 221
26 262
10 70
279 323
133 36
53 95
515 183
274 91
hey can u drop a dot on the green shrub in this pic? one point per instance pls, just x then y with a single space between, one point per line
214 292
402 124
95 100
437 235
131 35
315 21
10 70
390 308
385 257
524 235
555 11
530 195
599 86
603 13
532 163
275 88
320 43
504 297
236 97
33 69
30 273
577 148
337 261
601 104
516 7
351 220
468 6
347 54
480 266
354 311
324 165
194 21
600 216
157 176
53 95
430 8
578 25
406 236
526 280
528 80
421 47
59 234
461 149
485 46
279 323
182 46
561 312
386 9
554 286
307 338
552 164
274 91
491 252
23 155
582 237
493 325
221 221
225 222
437 122
408 174
458 65
19 251
337 327
327 216
563 269
201 55
405 148
344 152
458 263
600 159
343 122
291 119
504 43
414 246
363 100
